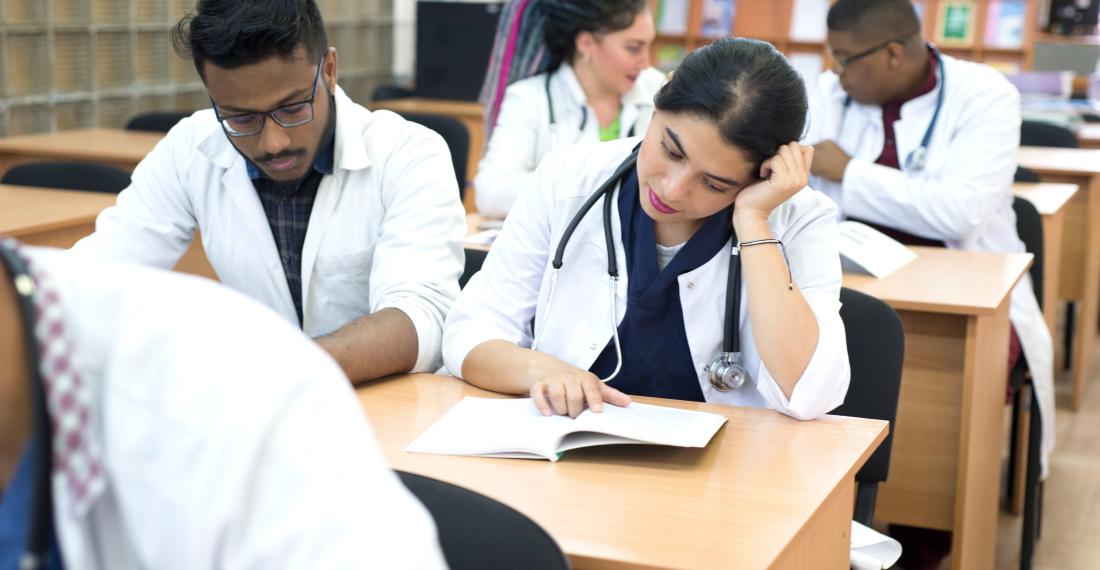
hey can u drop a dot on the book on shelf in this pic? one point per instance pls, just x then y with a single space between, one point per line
514 428
672 17
1004 23
717 18
956 21
808 20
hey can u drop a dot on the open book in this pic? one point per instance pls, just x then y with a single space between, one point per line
864 249
515 428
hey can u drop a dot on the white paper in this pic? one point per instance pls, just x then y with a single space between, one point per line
872 550
808 20
482 238
864 249
809 66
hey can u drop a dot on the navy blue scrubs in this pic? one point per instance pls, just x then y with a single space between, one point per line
15 512
656 357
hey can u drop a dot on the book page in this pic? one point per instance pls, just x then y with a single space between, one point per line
498 427
646 423
864 249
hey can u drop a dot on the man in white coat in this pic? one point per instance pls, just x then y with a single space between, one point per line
347 222
924 147
192 428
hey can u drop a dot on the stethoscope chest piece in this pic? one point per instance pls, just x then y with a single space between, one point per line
726 372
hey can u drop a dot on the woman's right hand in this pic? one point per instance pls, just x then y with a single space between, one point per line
567 390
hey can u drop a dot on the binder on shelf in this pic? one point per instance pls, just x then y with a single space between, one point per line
956 21
669 57
717 18
672 17
808 20
1005 22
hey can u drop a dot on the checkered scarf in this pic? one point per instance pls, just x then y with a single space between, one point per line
77 455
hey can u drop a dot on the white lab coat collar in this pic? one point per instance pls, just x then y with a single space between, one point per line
631 100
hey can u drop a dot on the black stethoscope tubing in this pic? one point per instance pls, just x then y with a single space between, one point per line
916 160
731 341
41 517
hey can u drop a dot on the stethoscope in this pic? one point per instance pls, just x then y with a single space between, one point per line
918 159
584 113
41 519
726 371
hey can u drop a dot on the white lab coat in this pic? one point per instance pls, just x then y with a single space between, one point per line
229 439
963 197
386 228
523 133
500 301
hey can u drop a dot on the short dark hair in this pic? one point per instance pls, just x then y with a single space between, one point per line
874 20
567 18
746 88
234 33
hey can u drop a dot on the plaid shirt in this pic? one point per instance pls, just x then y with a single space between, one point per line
288 209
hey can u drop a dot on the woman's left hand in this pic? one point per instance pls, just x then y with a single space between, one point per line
783 175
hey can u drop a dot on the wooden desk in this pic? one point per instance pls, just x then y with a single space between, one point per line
59 218
1050 200
946 459
469 113
117 147
767 492
1088 135
1080 264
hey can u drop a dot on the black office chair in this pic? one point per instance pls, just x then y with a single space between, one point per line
157 121
876 351
391 91
1029 225
1038 133
478 532
457 137
474 260
90 176
1025 175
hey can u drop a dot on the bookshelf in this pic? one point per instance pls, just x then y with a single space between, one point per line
997 32
67 64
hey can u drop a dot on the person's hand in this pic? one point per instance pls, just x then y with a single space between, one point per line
783 175
567 390
829 161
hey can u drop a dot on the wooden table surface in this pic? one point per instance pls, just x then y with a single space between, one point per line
767 492
117 147
1079 279
59 218
945 465
1088 135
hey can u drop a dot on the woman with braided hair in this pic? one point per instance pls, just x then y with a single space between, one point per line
562 72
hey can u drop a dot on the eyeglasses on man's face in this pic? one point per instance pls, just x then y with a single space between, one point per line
842 61
289 115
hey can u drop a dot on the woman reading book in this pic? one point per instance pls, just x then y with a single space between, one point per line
692 263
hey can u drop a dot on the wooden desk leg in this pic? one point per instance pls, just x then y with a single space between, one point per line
1090 294
826 539
1053 228
982 429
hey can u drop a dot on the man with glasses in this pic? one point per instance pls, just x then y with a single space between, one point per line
923 146
347 222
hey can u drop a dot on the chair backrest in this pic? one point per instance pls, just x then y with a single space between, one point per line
474 259
876 350
1029 225
1026 175
157 121
1038 133
478 532
89 176
458 140
391 91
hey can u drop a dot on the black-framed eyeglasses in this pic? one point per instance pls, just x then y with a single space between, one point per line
289 115
840 61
